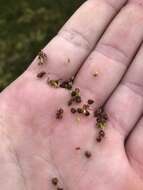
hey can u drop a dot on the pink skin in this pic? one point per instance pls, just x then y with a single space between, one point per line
35 146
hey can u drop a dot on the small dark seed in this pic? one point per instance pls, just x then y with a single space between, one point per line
77 148
73 110
80 110
87 154
87 113
69 86
60 110
90 102
101 133
78 99
59 117
98 112
85 107
73 93
70 102
55 181
98 139
77 90
98 119
41 74
59 188
105 116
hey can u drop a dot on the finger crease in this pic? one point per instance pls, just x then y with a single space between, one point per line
75 37
135 87
113 52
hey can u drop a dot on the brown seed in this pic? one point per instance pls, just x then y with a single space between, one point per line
105 116
95 74
54 83
60 110
99 139
98 112
66 85
55 181
101 133
87 113
78 99
59 114
90 102
42 57
69 86
99 119
59 188
87 154
77 148
70 102
77 90
73 110
85 106
73 93
80 110
41 74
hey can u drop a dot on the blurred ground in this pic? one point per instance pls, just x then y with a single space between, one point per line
25 27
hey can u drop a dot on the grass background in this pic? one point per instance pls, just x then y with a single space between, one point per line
26 26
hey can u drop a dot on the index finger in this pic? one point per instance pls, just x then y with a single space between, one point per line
78 37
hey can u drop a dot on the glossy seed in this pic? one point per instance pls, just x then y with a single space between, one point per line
95 74
87 113
87 154
41 74
98 139
78 99
54 83
101 133
85 106
73 110
73 93
77 148
90 102
80 110
55 181
59 114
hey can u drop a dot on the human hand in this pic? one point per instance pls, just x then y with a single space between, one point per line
105 56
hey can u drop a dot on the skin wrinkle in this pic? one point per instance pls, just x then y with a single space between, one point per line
134 86
104 48
75 37
131 159
55 165
13 151
112 5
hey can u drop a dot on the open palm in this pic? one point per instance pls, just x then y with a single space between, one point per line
42 152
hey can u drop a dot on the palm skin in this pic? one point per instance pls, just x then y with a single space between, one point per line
36 147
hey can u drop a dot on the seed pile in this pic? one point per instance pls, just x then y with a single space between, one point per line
101 120
77 106
67 84
75 97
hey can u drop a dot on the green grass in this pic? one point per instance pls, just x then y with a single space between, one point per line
25 27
